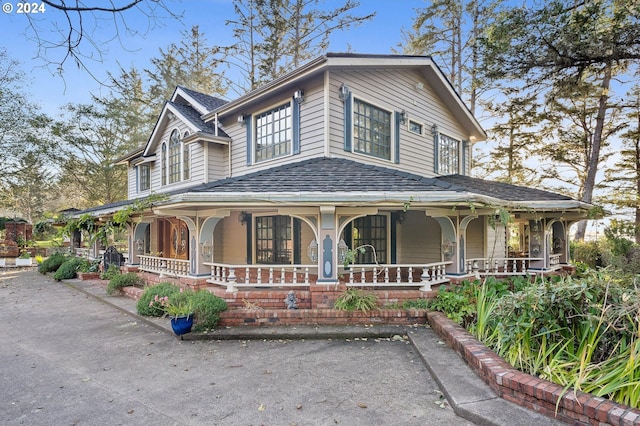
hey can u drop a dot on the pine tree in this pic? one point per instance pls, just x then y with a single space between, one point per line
623 178
547 48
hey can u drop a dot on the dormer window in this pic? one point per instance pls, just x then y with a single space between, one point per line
274 133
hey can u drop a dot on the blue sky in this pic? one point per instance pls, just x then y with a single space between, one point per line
50 91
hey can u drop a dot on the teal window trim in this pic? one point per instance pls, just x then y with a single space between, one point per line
436 148
465 151
248 122
295 112
348 122
396 137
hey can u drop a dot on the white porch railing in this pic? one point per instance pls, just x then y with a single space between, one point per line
554 262
164 266
238 276
501 266
397 275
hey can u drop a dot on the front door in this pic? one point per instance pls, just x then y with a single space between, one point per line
173 238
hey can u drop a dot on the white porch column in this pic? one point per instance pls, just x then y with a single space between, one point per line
450 241
202 250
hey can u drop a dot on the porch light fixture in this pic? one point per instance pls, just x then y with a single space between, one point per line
140 246
434 129
312 251
298 96
403 117
241 119
448 249
343 92
342 251
207 250
244 217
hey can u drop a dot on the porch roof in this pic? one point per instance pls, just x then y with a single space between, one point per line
327 175
326 180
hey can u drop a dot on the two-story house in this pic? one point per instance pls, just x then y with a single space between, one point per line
277 187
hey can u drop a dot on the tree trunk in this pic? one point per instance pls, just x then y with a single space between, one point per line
594 155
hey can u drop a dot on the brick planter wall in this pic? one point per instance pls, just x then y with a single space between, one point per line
273 317
577 408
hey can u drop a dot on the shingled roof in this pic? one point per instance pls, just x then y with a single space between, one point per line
333 175
194 117
503 191
209 102
327 175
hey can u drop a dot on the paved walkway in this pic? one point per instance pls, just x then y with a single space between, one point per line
69 358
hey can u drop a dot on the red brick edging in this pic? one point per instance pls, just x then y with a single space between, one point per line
550 399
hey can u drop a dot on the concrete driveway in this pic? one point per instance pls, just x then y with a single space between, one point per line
68 359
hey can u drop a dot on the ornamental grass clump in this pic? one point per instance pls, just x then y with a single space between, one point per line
579 333
354 299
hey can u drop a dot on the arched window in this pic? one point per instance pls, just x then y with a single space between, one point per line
174 156
186 158
163 161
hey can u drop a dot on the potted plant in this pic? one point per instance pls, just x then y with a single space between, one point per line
178 307
24 259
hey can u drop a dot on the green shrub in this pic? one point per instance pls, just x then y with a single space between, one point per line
87 266
113 271
355 299
207 308
147 306
415 304
52 263
68 269
124 280
457 303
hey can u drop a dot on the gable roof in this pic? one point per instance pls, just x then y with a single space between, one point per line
190 106
188 113
424 64
207 103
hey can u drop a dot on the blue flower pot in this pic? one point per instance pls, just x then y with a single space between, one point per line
182 325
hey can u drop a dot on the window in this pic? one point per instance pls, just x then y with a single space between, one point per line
174 157
274 242
448 155
415 127
163 160
144 171
370 230
371 130
273 133
186 159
